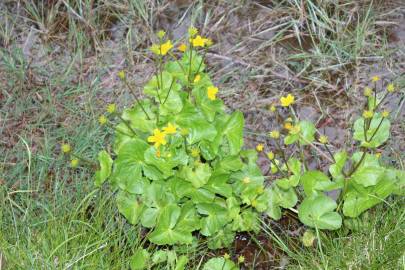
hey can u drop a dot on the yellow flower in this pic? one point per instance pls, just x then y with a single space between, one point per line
368 114
287 101
192 31
161 34
246 180
195 152
390 87
165 47
254 203
270 155
378 155
102 120
208 42
241 259
182 47
158 138
288 125
155 49
295 129
323 139
74 163
375 78
212 92
197 78
275 134
385 113
368 91
273 108
198 41
66 148
169 129
259 147
121 74
111 108
226 256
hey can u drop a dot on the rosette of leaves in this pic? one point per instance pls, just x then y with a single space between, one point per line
200 182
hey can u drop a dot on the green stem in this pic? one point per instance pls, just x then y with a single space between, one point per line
376 130
202 60
189 66
178 62
329 152
168 93
127 124
358 164
282 154
303 156
136 98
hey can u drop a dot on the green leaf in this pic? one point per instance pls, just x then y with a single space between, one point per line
181 263
220 264
171 103
287 183
199 127
234 132
368 175
380 137
230 164
139 260
165 232
138 119
105 168
307 132
337 168
316 181
189 220
159 256
129 206
159 87
223 238
308 238
291 138
356 202
164 164
305 136
198 175
295 166
218 184
215 218
317 212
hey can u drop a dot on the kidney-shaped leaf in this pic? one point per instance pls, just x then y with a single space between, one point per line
317 212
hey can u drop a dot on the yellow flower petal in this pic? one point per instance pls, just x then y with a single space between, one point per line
212 92
182 47
368 114
287 101
197 78
169 129
260 147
